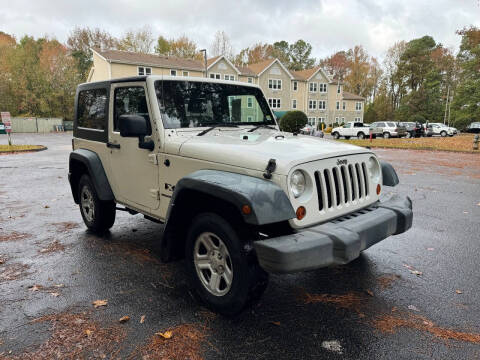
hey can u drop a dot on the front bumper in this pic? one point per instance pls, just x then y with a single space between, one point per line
338 241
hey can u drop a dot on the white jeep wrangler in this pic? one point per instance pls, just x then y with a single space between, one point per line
238 197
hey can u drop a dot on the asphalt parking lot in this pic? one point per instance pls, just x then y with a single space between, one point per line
415 295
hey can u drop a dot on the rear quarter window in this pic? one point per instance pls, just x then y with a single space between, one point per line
92 109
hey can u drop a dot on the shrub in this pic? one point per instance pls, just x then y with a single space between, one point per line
328 130
293 121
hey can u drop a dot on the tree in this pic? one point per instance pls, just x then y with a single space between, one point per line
181 47
300 53
356 79
140 40
81 40
281 51
336 65
466 104
255 54
221 45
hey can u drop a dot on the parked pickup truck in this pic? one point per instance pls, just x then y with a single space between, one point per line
358 129
239 198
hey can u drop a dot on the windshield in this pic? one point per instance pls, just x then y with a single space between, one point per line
190 104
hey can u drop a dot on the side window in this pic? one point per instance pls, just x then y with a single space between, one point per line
92 109
130 101
346 126
381 124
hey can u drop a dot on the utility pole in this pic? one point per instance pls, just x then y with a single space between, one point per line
205 58
447 107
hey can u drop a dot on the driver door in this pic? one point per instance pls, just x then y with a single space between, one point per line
134 171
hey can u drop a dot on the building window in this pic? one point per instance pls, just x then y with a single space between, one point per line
358 119
311 121
344 105
142 70
358 105
295 85
321 120
215 76
185 73
338 105
312 104
229 77
322 88
250 102
339 89
343 119
274 103
173 72
294 104
313 87
249 119
275 84
336 119
322 104
250 80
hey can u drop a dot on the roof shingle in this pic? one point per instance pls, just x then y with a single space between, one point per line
349 96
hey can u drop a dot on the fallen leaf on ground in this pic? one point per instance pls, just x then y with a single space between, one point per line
430 249
166 335
88 332
369 292
142 319
59 285
98 303
465 212
277 323
416 272
35 287
46 206
55 294
124 319
413 307
459 291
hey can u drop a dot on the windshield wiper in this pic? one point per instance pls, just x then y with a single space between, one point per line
262 126
215 126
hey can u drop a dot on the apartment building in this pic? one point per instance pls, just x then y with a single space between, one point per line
311 91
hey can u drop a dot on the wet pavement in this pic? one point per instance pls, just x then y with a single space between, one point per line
412 296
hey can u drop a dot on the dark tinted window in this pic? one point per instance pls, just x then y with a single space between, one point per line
92 109
129 101
198 104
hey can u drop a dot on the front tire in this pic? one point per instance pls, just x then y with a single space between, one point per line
336 135
99 216
386 135
222 269
408 135
443 134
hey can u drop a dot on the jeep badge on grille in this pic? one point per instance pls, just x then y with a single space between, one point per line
342 162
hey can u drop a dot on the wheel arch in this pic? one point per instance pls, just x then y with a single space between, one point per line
83 161
225 194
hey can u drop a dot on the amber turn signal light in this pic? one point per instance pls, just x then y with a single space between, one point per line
246 209
301 212
379 188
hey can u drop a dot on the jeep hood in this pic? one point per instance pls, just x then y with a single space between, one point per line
254 150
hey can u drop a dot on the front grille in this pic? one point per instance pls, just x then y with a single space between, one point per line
341 185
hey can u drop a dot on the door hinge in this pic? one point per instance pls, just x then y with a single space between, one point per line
155 193
153 158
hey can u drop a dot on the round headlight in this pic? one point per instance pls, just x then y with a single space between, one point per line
297 183
373 169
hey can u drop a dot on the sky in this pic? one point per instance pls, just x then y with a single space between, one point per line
328 25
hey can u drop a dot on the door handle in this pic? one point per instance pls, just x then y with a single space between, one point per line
112 145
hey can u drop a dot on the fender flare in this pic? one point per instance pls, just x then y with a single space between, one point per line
95 169
267 201
389 175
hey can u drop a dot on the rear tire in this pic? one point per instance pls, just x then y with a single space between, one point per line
223 270
408 135
386 135
98 216
361 136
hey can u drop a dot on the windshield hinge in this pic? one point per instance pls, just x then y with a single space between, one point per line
153 158
155 193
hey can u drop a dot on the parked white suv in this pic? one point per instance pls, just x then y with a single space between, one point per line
357 129
238 197
441 129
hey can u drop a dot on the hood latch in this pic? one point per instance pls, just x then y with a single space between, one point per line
271 166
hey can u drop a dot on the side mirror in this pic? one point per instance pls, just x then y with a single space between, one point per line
133 126
136 126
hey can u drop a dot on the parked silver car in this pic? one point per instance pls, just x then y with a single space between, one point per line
391 129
